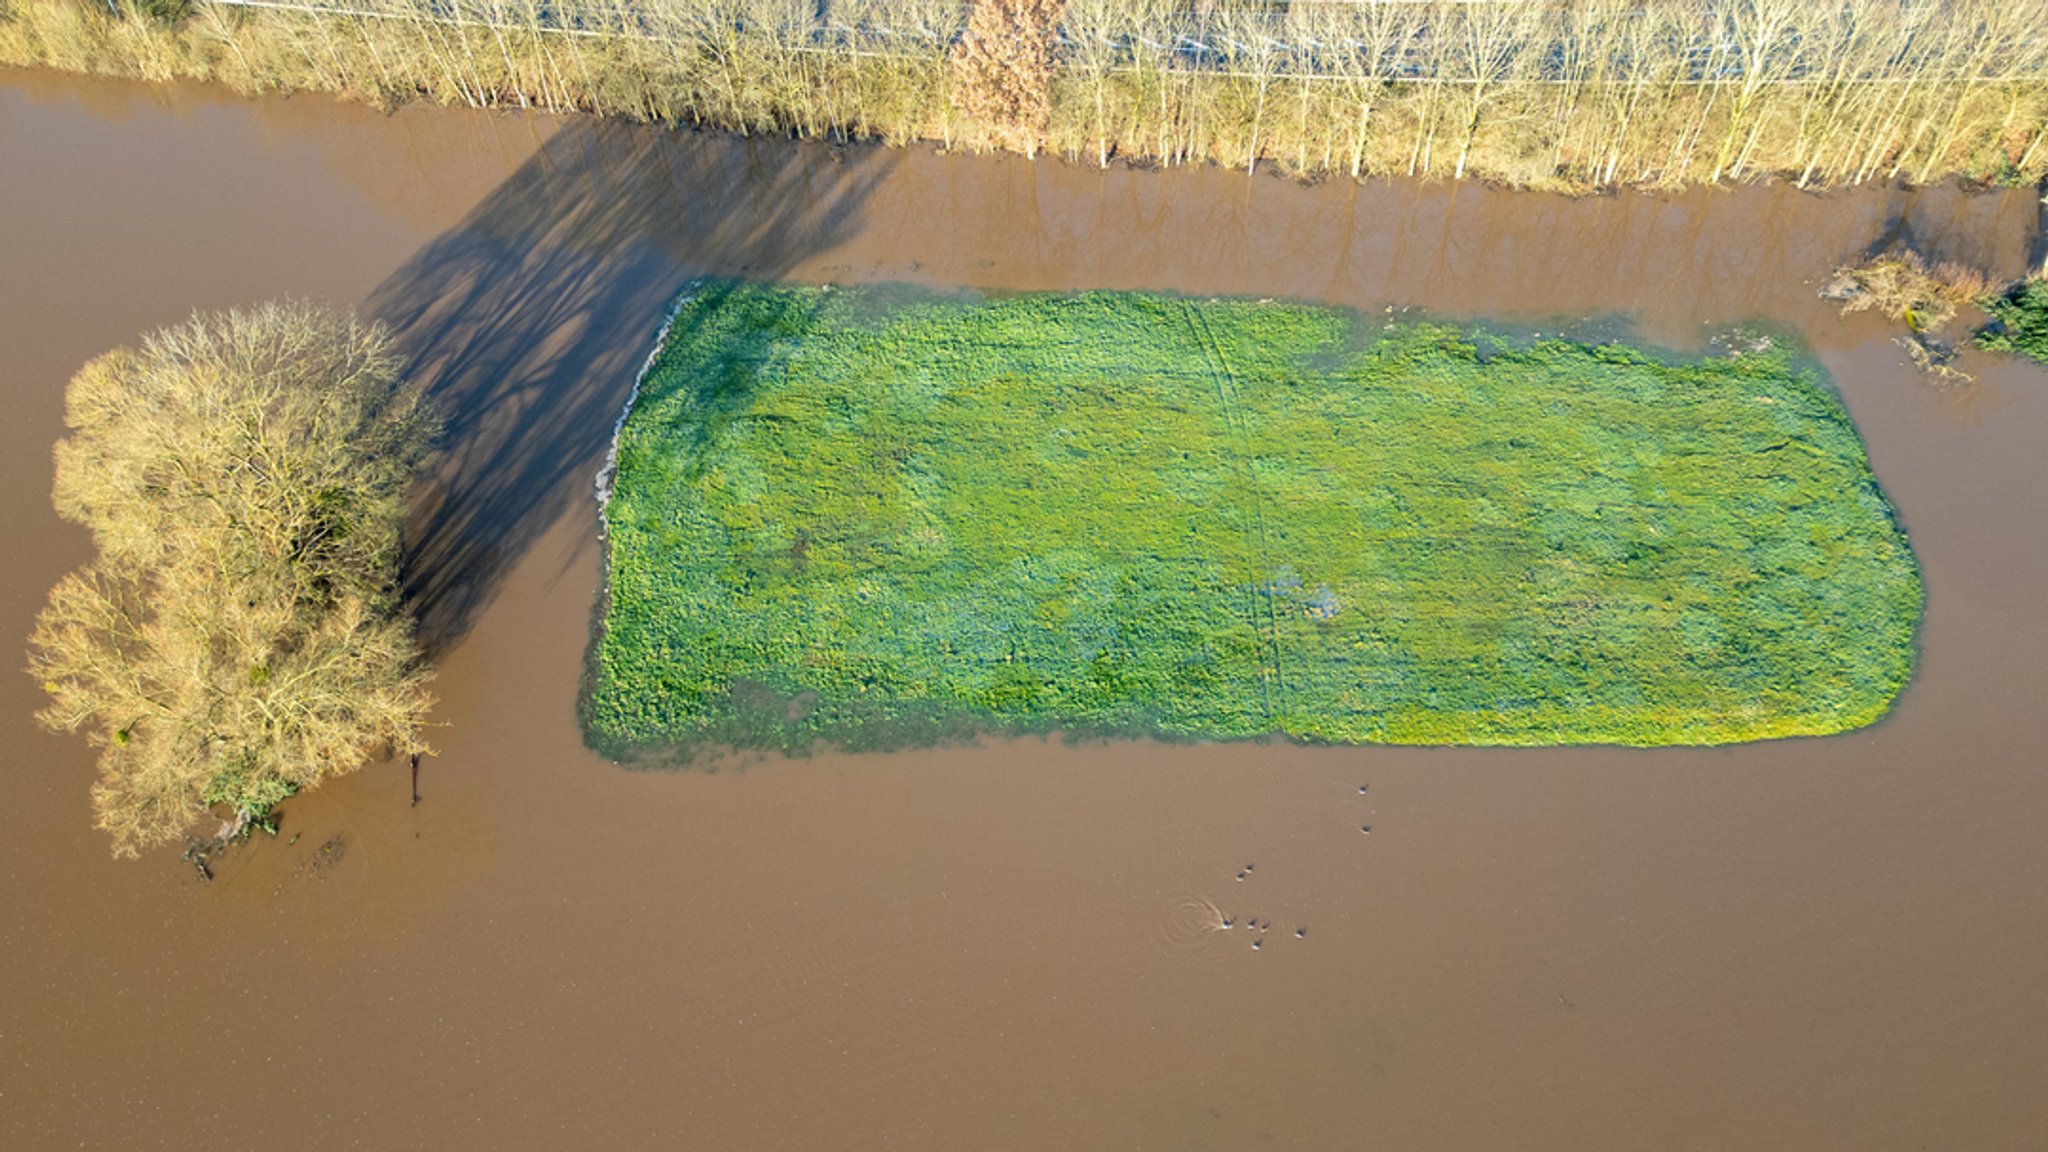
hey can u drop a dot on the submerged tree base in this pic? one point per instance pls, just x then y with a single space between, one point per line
879 516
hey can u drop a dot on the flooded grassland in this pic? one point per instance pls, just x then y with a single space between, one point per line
877 517
1814 943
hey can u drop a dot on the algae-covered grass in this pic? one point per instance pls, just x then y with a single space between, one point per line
876 516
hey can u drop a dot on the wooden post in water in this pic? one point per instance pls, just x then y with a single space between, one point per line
2041 231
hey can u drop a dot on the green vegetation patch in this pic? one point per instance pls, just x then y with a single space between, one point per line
878 516
2019 320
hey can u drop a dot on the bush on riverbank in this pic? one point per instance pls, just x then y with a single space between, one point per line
1926 297
1905 287
238 636
2019 320
876 516
1588 94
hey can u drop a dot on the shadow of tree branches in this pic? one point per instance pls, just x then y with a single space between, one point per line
529 320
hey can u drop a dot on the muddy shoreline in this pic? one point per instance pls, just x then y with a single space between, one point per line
1804 944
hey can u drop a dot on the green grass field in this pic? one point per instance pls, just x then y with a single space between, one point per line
879 516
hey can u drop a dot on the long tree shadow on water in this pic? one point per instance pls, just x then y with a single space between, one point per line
529 321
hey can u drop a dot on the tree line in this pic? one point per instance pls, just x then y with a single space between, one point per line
1577 94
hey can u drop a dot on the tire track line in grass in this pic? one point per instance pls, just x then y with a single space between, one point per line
1229 394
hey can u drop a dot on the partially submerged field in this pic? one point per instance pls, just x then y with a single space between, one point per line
879 516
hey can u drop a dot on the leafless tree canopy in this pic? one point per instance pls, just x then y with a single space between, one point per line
238 636
1003 69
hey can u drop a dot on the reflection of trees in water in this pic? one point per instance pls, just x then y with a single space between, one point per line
528 321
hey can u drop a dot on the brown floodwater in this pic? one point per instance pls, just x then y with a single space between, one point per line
1810 944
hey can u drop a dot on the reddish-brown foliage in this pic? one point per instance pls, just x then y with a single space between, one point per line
1003 70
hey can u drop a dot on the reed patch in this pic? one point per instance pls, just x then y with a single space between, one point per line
878 516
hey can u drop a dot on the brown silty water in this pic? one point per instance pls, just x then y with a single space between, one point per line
1811 944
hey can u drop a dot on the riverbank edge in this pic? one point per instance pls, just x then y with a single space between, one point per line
1995 130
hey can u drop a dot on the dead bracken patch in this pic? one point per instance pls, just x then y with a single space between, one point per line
1924 296
1003 70
1906 287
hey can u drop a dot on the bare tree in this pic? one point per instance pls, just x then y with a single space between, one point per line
239 635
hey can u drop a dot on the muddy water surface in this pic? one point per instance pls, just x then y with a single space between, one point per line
1811 944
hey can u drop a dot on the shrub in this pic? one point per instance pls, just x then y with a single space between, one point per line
1905 287
2019 320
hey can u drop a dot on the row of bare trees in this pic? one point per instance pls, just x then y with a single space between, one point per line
1579 93
1585 93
